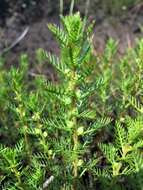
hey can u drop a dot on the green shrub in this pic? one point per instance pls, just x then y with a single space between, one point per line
83 131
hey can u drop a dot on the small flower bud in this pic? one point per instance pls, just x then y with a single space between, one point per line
38 131
74 112
80 162
70 124
50 152
39 126
20 111
67 71
122 119
67 101
36 116
45 134
80 131
25 127
18 97
78 94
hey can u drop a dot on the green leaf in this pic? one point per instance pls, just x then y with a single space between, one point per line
136 104
59 34
89 114
109 151
121 135
84 52
54 60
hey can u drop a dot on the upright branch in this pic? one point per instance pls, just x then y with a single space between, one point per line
75 53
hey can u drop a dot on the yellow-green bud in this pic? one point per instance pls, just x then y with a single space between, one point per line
67 101
38 131
126 149
50 152
80 130
70 124
25 127
116 168
74 112
78 94
80 162
39 126
45 134
18 97
20 110
122 119
36 116
67 71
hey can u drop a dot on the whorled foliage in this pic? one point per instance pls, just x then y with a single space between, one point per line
82 132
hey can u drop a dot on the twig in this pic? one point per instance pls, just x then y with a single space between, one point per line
71 7
129 41
51 76
16 41
87 8
61 7
48 181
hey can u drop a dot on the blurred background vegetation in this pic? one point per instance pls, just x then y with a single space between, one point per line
114 7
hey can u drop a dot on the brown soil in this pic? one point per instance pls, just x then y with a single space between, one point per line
123 28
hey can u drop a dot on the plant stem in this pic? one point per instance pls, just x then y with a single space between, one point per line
18 178
16 172
61 7
87 8
71 7
75 141
27 143
72 84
